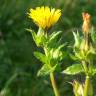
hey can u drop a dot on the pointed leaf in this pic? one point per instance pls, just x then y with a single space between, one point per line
54 35
57 53
74 69
73 57
77 39
34 36
46 69
41 57
54 38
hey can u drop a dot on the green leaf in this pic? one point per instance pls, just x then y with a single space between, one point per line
74 69
34 36
54 35
46 69
73 57
40 32
57 53
77 39
54 38
94 70
41 57
39 38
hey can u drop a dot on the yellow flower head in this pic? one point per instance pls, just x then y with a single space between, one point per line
44 17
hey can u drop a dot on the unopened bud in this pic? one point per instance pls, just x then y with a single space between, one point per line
86 22
78 88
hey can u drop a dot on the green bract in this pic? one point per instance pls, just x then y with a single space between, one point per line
39 37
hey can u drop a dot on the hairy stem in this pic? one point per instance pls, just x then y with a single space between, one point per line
54 84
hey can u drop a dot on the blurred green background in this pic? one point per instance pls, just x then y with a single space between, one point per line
18 66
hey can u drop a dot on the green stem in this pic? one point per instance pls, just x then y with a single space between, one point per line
88 90
54 84
85 67
87 81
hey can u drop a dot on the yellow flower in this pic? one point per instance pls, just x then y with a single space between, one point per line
44 17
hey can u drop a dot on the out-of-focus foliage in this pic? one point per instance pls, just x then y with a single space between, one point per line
18 66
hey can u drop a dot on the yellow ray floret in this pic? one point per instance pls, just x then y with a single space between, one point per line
44 17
